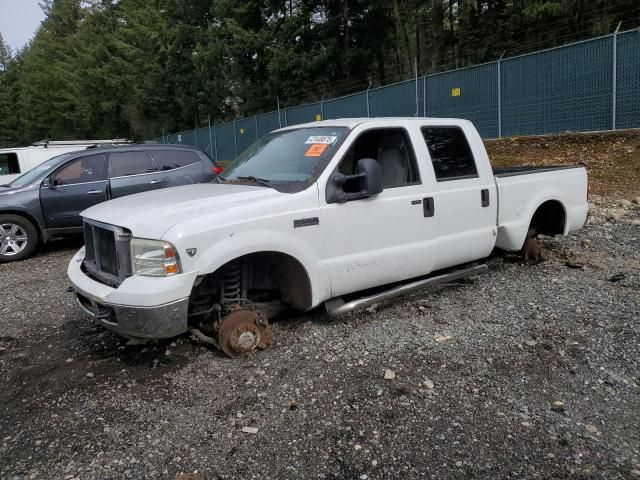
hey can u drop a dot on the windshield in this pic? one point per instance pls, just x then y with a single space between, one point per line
288 156
38 173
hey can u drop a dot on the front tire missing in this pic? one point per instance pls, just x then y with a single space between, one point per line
242 332
18 238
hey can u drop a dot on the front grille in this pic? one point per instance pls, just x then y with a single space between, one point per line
107 257
107 251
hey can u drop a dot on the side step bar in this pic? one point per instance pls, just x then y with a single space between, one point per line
336 306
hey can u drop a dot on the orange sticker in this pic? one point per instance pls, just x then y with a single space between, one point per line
316 150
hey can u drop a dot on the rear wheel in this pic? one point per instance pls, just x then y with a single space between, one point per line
18 238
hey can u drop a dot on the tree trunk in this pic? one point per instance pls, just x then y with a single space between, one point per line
345 56
402 31
452 38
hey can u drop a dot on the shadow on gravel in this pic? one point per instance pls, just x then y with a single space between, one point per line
79 358
73 243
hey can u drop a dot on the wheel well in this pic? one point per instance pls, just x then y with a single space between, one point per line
260 277
289 275
548 219
31 219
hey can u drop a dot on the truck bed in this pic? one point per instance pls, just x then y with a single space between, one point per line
521 190
528 169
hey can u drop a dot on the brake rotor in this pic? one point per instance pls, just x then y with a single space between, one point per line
242 332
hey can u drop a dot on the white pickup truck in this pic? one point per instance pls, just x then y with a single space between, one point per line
341 212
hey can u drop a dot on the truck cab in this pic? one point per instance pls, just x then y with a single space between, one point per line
311 214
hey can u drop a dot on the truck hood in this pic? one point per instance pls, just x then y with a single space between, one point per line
151 214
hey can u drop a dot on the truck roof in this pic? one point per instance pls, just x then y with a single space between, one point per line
354 122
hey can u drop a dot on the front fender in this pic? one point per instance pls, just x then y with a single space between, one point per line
236 245
25 204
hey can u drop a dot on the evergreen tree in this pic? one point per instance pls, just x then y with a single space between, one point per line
136 68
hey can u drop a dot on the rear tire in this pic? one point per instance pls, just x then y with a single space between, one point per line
18 238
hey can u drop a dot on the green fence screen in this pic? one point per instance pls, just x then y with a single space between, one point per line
586 86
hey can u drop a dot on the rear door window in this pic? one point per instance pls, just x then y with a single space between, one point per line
122 164
170 159
82 170
450 153
9 164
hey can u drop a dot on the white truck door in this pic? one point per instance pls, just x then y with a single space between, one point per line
464 200
384 238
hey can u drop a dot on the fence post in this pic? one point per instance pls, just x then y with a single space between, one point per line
210 139
500 96
424 96
255 119
235 137
286 123
215 140
279 120
322 108
614 92
368 110
415 67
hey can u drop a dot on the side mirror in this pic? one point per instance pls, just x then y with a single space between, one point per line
372 180
368 178
49 182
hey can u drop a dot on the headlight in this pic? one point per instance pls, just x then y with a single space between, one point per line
153 258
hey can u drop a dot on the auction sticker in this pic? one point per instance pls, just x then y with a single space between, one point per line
316 150
324 140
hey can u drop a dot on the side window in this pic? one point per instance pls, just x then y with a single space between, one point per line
9 164
122 164
82 170
170 159
450 153
391 147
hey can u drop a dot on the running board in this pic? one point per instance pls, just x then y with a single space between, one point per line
336 306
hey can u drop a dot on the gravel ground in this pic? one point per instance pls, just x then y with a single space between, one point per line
477 368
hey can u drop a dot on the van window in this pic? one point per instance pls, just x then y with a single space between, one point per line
9 164
122 164
82 170
450 153
170 159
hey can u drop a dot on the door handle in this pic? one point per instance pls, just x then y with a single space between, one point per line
428 207
153 182
484 197
94 192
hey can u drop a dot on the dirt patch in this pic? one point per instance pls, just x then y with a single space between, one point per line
612 158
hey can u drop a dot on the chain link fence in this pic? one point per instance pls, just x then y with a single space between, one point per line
585 86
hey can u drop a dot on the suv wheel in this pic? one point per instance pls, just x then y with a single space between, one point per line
18 238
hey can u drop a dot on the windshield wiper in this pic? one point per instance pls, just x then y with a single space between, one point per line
261 181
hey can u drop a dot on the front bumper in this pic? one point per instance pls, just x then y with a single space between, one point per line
163 321
142 321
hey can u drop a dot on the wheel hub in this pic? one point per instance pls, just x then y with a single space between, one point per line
243 331
13 239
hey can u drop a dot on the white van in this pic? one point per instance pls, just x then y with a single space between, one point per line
16 161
